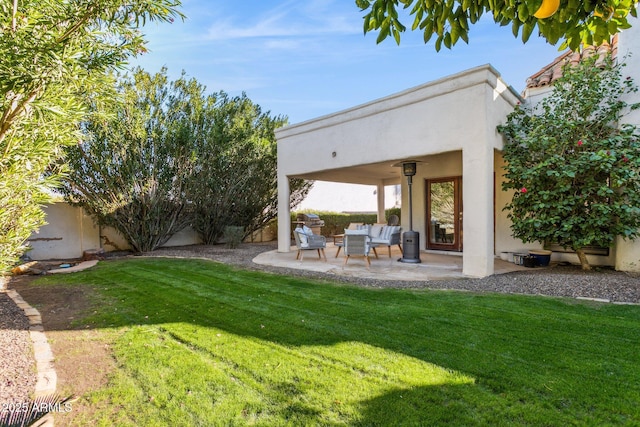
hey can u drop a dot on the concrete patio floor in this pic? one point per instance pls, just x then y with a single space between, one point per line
434 265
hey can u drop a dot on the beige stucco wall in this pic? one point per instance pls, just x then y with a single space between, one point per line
184 237
68 232
112 240
401 126
505 242
628 252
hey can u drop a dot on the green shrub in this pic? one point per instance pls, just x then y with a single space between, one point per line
233 235
571 169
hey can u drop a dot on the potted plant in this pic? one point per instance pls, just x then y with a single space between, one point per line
543 256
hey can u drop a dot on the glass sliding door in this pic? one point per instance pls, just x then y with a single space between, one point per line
444 214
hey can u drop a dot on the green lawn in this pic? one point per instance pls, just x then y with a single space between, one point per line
199 343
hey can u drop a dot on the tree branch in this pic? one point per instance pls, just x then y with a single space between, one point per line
10 115
14 24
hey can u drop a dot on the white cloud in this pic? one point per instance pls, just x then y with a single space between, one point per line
290 19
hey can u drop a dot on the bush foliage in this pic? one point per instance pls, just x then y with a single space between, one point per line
574 170
52 53
168 155
130 170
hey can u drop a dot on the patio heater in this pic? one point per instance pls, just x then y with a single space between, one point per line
410 239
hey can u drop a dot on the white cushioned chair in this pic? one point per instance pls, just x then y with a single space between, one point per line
306 240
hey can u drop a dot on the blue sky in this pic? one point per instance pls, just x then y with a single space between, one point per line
304 59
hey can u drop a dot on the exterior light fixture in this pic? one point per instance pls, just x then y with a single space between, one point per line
409 169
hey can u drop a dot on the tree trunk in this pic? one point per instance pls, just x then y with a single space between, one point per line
583 259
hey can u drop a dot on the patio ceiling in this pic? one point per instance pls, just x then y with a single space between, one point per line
370 174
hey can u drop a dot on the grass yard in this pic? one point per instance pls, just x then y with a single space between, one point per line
198 343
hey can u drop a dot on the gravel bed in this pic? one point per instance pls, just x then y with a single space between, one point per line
17 367
17 370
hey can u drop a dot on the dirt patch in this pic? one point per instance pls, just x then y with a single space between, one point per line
83 364
59 306
83 359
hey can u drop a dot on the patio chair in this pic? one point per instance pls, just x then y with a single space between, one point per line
338 238
306 240
356 243
389 236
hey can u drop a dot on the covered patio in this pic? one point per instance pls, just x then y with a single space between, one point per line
449 127
434 266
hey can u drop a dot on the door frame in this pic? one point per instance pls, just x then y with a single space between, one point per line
456 245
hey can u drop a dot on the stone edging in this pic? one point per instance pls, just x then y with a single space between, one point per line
47 377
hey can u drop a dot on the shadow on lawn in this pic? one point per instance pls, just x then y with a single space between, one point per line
441 405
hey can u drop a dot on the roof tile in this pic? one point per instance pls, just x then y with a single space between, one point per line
553 71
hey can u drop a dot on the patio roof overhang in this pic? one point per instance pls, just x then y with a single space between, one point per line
360 144
371 174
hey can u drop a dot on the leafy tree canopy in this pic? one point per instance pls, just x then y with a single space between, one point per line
236 184
574 169
130 171
54 53
168 155
573 21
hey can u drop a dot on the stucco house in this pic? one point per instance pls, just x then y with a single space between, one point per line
449 127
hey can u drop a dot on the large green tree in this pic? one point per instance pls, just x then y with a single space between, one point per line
169 155
133 166
574 168
236 182
573 21
54 52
